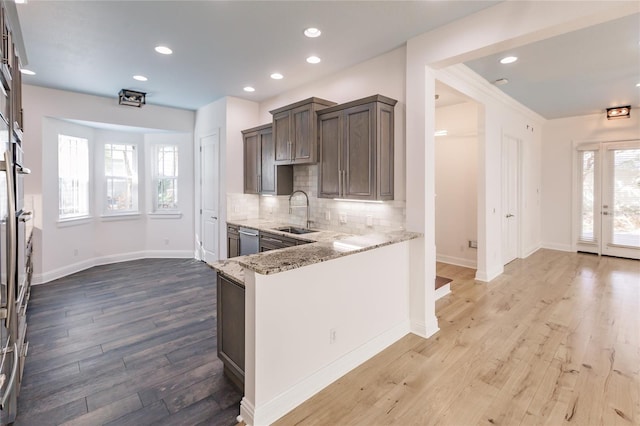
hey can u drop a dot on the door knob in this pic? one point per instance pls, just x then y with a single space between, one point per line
509 215
214 217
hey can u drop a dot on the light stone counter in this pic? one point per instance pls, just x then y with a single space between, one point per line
325 245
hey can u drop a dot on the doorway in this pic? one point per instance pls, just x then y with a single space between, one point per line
608 198
209 204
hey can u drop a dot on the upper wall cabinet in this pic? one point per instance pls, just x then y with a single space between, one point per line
294 131
261 175
357 149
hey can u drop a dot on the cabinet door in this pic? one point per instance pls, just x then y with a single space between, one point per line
268 164
231 329
330 137
359 151
282 136
304 146
251 163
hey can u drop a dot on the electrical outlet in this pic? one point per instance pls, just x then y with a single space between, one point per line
473 244
332 336
236 208
75 252
343 218
369 220
327 215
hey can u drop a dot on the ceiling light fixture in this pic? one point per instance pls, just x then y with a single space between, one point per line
638 85
21 1
249 89
140 78
27 72
277 76
164 50
619 112
508 59
312 32
131 98
313 60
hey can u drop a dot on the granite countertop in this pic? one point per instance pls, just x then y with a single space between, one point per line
272 262
325 245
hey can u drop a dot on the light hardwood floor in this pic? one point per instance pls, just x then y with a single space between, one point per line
554 340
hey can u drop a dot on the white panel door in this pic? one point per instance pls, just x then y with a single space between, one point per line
209 191
510 197
621 200
608 190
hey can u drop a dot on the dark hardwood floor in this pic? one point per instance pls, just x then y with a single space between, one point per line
131 343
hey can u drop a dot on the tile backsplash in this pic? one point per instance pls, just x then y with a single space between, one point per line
342 216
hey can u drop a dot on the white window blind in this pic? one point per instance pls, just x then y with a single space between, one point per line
121 178
73 177
166 177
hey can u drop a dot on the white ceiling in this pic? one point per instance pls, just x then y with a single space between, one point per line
96 47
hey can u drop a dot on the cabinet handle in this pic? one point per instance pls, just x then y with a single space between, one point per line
290 150
259 183
339 183
344 182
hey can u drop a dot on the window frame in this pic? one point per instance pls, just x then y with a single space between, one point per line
107 178
156 176
83 214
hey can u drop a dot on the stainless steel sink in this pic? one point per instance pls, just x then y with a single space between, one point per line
295 230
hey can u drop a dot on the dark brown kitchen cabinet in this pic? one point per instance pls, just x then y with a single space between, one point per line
233 241
357 150
269 241
230 318
261 174
294 131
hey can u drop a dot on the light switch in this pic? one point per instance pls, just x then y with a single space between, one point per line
369 220
343 218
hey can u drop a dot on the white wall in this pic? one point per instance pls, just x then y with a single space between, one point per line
456 169
55 246
557 160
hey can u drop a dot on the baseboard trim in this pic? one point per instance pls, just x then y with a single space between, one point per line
279 406
557 246
105 260
443 291
486 276
458 261
424 330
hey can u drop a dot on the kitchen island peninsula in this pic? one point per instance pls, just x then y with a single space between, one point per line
311 313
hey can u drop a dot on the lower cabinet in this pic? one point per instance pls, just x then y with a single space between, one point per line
274 242
231 329
233 241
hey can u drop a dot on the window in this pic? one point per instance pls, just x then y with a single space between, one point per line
121 178
73 177
165 178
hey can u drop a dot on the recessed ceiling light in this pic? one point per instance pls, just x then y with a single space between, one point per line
21 1
249 89
140 78
277 76
312 32
27 72
440 133
164 50
508 60
638 85
313 60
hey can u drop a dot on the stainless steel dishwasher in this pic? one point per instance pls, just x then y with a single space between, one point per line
249 241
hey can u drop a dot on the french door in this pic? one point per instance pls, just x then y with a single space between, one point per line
608 178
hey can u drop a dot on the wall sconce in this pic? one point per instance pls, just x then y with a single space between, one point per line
619 112
131 98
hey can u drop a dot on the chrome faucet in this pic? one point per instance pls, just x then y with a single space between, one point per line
305 196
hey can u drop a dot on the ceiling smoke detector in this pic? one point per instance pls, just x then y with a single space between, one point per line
500 82
131 98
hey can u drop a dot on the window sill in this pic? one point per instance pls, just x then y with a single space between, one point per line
120 216
165 215
74 221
